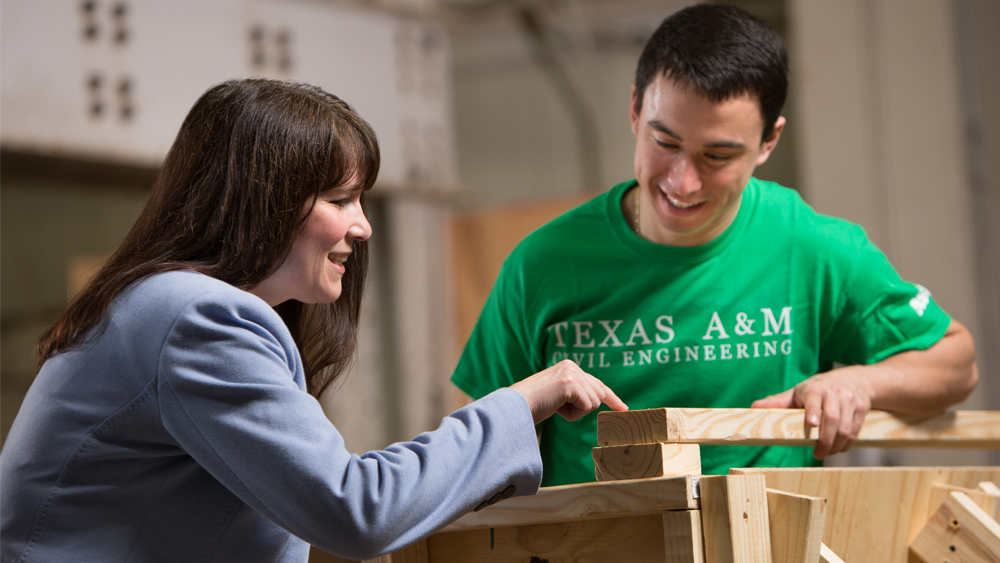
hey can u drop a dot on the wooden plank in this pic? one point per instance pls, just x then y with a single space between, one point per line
961 429
641 461
940 492
990 487
585 500
959 531
642 426
637 539
734 519
826 555
682 536
796 523
873 513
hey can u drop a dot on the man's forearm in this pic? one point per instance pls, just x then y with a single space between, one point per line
926 381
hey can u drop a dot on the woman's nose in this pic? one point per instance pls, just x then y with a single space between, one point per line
360 228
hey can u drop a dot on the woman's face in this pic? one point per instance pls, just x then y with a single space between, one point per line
321 254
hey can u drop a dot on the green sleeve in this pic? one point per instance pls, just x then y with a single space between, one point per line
499 351
881 315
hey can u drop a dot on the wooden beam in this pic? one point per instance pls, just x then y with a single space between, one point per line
959 531
873 513
961 429
586 500
734 519
826 555
796 524
637 539
682 536
641 461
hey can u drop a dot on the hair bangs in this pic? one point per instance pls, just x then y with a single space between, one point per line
354 154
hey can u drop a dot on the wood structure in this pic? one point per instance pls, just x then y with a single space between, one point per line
758 515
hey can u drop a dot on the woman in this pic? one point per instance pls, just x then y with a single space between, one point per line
173 417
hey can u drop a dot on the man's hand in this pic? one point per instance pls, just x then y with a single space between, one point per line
836 401
914 382
565 389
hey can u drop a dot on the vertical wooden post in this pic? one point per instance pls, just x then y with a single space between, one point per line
734 519
682 536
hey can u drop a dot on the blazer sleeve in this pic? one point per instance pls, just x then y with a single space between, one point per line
232 396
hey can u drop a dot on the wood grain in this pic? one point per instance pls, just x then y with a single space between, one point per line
585 501
873 512
636 539
796 524
645 426
734 519
640 461
962 429
959 531
682 536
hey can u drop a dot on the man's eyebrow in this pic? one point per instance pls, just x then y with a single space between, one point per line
659 126
726 145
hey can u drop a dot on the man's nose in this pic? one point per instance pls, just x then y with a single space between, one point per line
683 176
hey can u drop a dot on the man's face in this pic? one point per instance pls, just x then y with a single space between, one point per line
693 157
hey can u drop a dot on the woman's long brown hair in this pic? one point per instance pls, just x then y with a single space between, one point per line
229 201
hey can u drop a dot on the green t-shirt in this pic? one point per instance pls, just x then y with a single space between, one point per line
781 295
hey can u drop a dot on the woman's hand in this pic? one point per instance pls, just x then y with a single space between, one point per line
565 389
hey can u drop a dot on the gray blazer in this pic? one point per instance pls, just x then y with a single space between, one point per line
183 432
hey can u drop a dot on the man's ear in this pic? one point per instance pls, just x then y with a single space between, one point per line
771 141
633 112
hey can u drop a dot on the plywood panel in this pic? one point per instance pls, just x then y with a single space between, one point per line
873 513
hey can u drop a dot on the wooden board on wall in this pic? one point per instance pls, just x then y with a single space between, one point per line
480 242
873 512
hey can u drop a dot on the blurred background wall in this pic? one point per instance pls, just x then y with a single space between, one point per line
493 115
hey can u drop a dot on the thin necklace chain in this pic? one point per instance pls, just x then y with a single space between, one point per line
637 215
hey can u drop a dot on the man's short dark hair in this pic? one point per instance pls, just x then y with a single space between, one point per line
721 52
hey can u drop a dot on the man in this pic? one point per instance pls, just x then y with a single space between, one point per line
696 285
